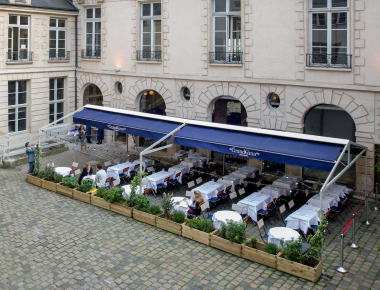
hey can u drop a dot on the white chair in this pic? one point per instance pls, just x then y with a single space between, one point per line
233 195
116 161
241 191
291 204
260 224
237 208
107 164
199 180
307 192
145 181
116 182
282 210
191 184
77 172
74 165
213 173
189 194
258 184
150 169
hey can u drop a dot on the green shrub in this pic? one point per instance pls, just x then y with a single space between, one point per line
154 209
271 249
41 174
167 204
86 185
37 160
136 181
193 224
223 230
49 172
178 216
253 242
315 248
292 250
58 178
70 182
206 226
142 201
234 232
115 195
100 192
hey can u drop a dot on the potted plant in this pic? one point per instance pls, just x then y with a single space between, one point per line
48 181
125 206
167 221
295 261
101 197
229 238
265 254
141 210
82 191
33 177
67 186
198 230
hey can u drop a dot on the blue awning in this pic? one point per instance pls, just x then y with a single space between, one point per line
287 148
139 126
296 152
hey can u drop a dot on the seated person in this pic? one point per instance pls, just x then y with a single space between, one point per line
87 171
101 176
195 209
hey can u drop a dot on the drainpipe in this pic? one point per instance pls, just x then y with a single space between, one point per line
76 62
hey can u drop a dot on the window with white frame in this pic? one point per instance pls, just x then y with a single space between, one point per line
17 106
56 99
18 38
57 38
150 27
226 40
329 33
93 32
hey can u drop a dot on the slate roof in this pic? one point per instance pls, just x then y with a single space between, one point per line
46 4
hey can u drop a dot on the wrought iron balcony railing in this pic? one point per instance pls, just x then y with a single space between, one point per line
91 54
226 57
59 55
14 56
147 55
329 60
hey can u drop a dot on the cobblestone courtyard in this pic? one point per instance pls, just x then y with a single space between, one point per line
48 241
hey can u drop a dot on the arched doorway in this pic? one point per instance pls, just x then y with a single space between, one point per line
92 96
153 103
230 111
330 121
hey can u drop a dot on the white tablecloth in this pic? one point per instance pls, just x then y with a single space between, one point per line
179 153
194 154
209 190
158 178
244 173
250 169
128 188
275 191
334 192
303 218
183 205
284 182
64 171
254 202
339 187
188 164
328 202
115 170
179 168
146 163
223 216
293 177
230 180
197 161
279 233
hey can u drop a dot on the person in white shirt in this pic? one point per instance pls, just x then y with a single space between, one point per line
101 176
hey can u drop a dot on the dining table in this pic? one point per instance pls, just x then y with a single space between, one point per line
181 203
303 218
114 171
254 202
284 182
223 216
64 171
146 163
228 180
127 189
158 178
275 191
209 190
179 168
327 202
275 235
179 153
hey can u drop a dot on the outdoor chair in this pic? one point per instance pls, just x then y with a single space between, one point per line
108 183
162 186
191 184
228 189
189 194
260 224
232 196
134 171
241 191
107 164
290 205
174 182
198 180
282 209
116 161
150 170
215 200
147 191
338 210
116 182
123 176
74 165
264 213
238 208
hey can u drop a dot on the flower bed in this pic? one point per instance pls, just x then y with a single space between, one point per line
34 180
168 224
218 242
299 270
257 254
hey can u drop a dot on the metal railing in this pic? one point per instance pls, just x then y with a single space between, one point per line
226 57
147 55
329 60
15 145
91 54
59 55
19 56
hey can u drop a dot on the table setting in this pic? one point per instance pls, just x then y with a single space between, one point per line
209 190
127 189
114 171
275 191
179 168
303 218
254 202
224 216
181 204
158 177
275 235
328 202
228 180
64 171
284 182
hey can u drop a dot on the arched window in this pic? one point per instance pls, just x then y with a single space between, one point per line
92 96
331 121
153 103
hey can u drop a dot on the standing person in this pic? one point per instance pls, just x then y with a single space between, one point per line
101 176
88 129
100 136
87 171
82 139
30 152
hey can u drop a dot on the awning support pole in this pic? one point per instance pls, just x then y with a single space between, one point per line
365 193
148 150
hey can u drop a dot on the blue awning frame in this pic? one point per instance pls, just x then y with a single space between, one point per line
177 124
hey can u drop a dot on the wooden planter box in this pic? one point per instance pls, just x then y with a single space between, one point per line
195 235
82 196
49 185
224 245
144 217
299 270
34 180
168 225
64 190
100 202
122 209
258 255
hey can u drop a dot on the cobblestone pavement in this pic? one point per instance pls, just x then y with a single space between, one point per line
48 241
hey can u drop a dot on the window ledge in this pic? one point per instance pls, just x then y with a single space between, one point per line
147 61
19 133
91 59
18 62
330 69
226 65
59 61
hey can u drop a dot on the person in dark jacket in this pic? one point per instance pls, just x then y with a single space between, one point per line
30 152
88 129
195 207
87 171
100 136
